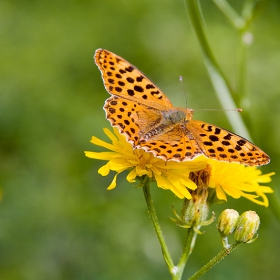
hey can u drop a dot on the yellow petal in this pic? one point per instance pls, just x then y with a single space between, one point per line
110 135
220 193
265 178
104 170
100 155
98 142
131 176
114 183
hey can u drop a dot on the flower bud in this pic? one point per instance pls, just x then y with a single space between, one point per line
247 226
227 222
194 212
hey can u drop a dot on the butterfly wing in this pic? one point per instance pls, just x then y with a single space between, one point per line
220 144
138 106
124 80
176 144
131 118
134 120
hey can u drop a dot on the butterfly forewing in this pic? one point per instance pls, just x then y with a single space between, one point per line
123 79
223 145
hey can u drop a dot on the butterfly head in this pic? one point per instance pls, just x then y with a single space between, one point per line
188 113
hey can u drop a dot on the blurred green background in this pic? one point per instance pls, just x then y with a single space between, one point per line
57 220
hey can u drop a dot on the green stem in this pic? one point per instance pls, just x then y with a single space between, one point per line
248 10
215 260
243 86
218 79
190 239
232 16
242 24
153 216
244 42
175 271
242 79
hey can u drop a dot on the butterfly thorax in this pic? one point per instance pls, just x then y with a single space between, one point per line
166 122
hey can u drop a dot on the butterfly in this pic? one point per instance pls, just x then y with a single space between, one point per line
149 121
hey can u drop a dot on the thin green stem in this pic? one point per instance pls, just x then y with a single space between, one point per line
190 238
245 38
218 79
242 79
175 271
248 10
232 16
222 254
241 23
153 216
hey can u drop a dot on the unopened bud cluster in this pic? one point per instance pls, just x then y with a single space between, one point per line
244 226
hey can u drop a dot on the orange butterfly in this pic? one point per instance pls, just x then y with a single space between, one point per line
141 112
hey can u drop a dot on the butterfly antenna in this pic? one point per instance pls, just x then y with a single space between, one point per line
186 100
183 89
224 110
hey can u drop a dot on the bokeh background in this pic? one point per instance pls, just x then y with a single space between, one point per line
57 220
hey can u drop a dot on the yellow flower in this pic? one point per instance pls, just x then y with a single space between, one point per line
237 180
167 174
231 179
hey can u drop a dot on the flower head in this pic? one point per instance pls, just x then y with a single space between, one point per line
167 174
237 180
181 178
